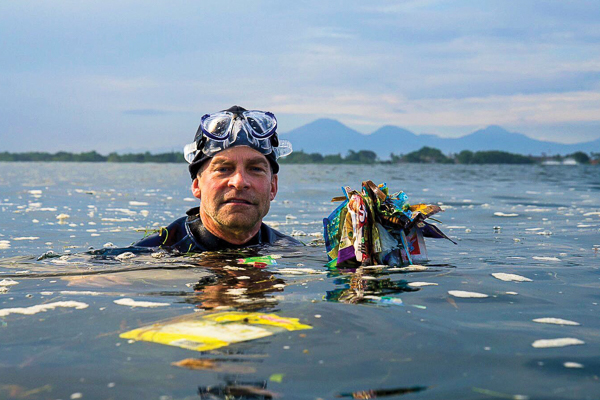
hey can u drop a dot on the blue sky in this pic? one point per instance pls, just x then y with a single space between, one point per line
136 75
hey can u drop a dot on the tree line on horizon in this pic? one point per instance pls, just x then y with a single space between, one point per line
425 155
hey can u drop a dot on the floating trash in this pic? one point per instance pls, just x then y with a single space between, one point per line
201 364
376 227
571 364
421 284
133 303
299 271
556 321
540 258
8 282
42 308
125 256
466 295
212 331
510 277
261 260
501 214
559 342
138 203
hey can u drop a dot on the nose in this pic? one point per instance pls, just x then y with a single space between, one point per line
239 180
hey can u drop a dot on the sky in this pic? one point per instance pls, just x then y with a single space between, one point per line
138 75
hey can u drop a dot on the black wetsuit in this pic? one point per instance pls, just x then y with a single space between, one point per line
188 234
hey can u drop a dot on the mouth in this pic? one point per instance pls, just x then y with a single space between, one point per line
238 201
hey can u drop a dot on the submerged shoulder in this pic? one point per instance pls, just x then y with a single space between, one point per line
272 236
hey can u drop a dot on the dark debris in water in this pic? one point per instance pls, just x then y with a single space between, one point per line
378 393
237 390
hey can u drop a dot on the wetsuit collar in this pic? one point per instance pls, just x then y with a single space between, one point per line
205 240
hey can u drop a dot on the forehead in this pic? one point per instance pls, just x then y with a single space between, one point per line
239 154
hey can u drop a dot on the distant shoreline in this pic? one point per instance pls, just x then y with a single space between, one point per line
426 155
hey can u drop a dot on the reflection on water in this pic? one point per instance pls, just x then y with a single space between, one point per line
377 332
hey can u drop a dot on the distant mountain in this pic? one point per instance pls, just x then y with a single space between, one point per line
328 136
325 136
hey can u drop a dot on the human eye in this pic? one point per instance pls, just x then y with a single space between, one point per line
258 168
222 169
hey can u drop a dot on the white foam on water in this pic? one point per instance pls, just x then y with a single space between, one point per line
26 238
540 258
299 271
133 303
555 321
125 256
510 277
8 282
572 364
501 214
138 203
42 308
411 268
467 295
558 342
80 292
420 284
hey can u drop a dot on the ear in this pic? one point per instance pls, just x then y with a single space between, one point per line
274 186
196 189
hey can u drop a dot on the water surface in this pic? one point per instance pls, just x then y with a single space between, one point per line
539 222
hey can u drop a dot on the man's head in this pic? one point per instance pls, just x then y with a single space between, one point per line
235 188
236 126
233 164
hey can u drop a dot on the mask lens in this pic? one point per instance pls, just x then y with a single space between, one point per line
217 126
263 124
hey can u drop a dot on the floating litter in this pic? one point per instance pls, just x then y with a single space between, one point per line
539 258
556 321
8 282
61 217
420 284
125 256
410 268
559 342
133 303
138 203
571 364
42 308
501 214
212 331
510 277
467 295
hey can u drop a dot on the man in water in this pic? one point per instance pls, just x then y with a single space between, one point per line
233 166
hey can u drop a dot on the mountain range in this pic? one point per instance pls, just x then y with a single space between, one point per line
328 136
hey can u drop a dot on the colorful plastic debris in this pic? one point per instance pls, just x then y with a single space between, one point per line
212 331
259 262
375 227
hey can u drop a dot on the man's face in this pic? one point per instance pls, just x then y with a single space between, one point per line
235 187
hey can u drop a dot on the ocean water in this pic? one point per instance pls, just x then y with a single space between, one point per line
385 333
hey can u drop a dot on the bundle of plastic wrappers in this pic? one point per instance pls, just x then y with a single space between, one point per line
375 227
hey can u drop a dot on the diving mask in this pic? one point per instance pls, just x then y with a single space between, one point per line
237 127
